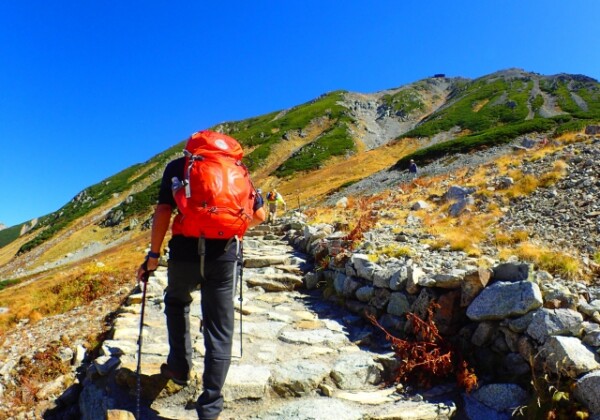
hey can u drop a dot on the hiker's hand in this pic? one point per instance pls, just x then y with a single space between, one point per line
148 266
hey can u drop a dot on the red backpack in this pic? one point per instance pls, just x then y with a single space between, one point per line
218 199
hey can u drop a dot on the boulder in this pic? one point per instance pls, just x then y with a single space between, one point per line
568 356
587 390
548 322
504 300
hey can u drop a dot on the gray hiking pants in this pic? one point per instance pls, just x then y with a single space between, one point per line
218 319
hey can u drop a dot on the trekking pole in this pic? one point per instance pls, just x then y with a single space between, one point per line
241 299
238 278
144 279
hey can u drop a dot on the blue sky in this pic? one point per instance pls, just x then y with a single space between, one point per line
88 88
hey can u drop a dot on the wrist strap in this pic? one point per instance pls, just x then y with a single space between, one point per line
153 254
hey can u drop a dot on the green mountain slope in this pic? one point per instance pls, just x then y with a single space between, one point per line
451 115
499 107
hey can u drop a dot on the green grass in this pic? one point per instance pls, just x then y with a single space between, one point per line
572 126
335 142
537 103
141 201
404 102
9 234
7 283
467 144
506 103
266 131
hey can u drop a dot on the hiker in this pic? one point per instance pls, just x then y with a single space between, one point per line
412 168
273 199
259 192
198 259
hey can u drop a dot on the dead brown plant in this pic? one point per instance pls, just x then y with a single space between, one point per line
427 357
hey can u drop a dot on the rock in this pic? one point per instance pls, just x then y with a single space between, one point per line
265 261
419 205
413 410
449 280
314 337
587 390
351 285
355 370
473 283
380 298
311 280
119 415
246 382
377 397
457 208
547 322
398 304
313 408
364 267
483 333
448 316
297 378
456 193
365 293
105 364
504 300
276 282
504 398
568 356
342 203
511 272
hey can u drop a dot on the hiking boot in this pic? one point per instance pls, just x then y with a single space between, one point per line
178 377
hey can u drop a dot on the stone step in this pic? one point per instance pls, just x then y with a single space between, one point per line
292 358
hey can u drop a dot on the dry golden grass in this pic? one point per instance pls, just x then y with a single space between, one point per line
311 188
395 251
545 259
61 289
464 233
509 238
473 228
551 177
480 104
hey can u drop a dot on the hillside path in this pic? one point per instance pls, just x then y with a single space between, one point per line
300 355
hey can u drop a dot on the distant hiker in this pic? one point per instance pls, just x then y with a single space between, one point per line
412 168
273 199
205 249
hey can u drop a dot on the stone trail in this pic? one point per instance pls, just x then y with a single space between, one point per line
300 360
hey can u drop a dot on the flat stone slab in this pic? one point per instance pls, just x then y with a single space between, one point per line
265 261
311 337
246 382
380 396
313 408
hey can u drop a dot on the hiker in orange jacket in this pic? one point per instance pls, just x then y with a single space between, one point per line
185 274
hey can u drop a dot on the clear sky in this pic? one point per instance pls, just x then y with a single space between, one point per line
88 88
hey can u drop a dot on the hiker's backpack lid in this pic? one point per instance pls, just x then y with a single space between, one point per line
208 143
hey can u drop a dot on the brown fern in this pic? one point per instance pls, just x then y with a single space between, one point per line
428 357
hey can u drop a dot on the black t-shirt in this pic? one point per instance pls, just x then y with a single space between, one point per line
184 248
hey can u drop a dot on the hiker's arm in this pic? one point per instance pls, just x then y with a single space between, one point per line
258 217
160 226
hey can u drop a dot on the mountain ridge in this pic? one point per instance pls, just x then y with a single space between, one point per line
283 146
